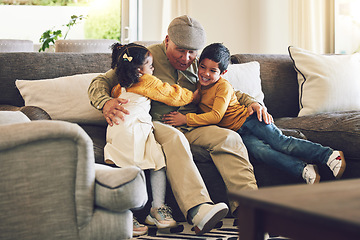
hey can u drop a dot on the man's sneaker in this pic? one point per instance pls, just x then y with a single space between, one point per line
337 164
138 228
310 174
161 217
208 216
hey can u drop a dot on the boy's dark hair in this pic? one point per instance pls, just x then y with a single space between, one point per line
218 53
126 59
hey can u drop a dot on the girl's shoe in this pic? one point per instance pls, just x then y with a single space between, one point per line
310 174
138 228
337 164
161 217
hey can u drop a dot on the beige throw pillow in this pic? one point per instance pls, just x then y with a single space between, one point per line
64 98
327 83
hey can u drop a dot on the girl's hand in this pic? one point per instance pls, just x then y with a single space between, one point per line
174 119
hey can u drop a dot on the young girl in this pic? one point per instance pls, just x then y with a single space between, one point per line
132 141
265 142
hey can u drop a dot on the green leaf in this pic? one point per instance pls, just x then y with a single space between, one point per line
50 36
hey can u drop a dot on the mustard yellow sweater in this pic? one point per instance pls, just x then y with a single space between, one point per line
219 106
153 88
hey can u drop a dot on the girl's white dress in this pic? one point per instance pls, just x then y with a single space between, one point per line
132 142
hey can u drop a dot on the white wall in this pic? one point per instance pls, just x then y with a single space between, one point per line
151 20
244 26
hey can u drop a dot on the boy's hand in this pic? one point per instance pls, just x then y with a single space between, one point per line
174 119
197 97
261 112
113 110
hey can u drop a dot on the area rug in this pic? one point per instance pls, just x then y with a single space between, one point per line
223 231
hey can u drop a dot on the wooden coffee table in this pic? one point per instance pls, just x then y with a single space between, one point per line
329 210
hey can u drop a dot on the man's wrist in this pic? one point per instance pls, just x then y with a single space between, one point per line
101 104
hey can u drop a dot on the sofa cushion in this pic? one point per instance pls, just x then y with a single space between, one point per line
327 83
246 78
63 98
98 135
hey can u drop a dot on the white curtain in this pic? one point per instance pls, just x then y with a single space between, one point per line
312 25
170 10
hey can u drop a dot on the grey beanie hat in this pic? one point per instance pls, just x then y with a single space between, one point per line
187 33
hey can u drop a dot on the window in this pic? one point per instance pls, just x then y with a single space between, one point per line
347 26
131 12
28 19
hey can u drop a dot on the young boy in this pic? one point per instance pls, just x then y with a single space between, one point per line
219 105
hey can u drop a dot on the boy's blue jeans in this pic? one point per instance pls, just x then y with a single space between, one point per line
266 143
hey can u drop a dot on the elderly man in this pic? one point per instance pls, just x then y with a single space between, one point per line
175 62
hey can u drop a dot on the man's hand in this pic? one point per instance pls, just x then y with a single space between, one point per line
174 119
113 110
261 112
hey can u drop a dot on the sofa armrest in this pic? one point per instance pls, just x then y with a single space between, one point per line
32 112
338 130
119 189
48 165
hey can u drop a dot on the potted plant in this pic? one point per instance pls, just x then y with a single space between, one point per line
49 37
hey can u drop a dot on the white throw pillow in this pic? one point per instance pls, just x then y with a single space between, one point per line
246 78
64 98
327 83
12 117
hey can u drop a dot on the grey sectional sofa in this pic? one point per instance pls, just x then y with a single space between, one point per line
339 130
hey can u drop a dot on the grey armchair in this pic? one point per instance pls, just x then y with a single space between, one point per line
50 187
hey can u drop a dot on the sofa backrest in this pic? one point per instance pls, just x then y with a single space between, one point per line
279 79
36 66
278 82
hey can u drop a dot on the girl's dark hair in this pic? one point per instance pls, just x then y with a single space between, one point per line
218 53
126 59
